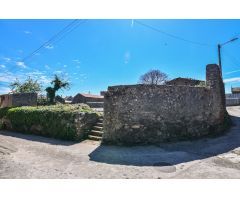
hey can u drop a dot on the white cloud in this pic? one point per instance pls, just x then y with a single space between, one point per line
232 72
47 66
76 61
127 57
7 59
21 64
27 32
132 23
4 90
3 66
49 46
7 77
44 79
232 80
58 72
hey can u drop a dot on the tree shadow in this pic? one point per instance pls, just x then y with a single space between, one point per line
37 138
170 153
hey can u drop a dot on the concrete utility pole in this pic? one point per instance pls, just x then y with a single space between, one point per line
219 52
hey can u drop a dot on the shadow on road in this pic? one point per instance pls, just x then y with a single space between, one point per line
36 138
171 153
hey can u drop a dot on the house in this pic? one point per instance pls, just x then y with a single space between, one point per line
18 99
86 98
235 90
185 81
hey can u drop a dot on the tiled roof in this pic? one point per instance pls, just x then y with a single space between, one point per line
236 89
92 96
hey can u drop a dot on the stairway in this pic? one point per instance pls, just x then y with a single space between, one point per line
97 131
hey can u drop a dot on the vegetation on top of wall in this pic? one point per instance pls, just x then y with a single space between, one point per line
56 121
201 84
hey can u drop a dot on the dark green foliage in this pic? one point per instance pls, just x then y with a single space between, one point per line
3 112
53 121
57 84
43 102
50 94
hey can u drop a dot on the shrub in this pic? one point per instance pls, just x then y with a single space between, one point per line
58 121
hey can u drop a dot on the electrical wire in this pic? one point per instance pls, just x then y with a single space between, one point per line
51 40
171 35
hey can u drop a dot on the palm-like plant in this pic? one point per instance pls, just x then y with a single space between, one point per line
57 83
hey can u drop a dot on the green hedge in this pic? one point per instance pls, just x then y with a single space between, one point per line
54 121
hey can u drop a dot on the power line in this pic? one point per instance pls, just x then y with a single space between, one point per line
171 35
53 40
232 59
69 31
48 42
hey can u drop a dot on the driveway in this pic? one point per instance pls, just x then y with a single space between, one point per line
28 156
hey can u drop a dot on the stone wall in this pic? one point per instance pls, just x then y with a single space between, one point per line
149 114
185 81
21 99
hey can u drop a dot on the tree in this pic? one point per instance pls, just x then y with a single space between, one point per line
153 77
27 86
57 83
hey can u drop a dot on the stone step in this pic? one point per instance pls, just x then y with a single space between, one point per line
100 119
93 137
99 124
98 128
96 133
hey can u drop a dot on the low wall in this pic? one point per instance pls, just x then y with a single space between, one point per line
230 96
232 101
59 121
18 99
149 114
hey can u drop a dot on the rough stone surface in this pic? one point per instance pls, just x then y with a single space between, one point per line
21 99
185 81
149 114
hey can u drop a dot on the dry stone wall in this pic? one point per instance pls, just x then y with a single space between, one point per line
18 99
149 114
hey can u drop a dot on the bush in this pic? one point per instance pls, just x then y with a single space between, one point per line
58 121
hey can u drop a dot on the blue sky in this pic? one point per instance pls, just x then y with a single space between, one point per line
102 53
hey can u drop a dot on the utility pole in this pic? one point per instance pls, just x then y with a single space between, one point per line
219 58
219 52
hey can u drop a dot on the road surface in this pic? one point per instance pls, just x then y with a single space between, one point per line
28 156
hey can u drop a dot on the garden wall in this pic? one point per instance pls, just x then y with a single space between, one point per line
149 114
60 121
18 99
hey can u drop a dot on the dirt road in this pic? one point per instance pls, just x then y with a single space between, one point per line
28 156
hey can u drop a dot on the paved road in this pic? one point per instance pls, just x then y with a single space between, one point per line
26 156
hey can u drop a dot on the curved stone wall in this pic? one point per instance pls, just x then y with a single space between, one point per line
149 114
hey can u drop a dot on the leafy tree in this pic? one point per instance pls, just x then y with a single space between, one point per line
153 77
57 83
27 86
